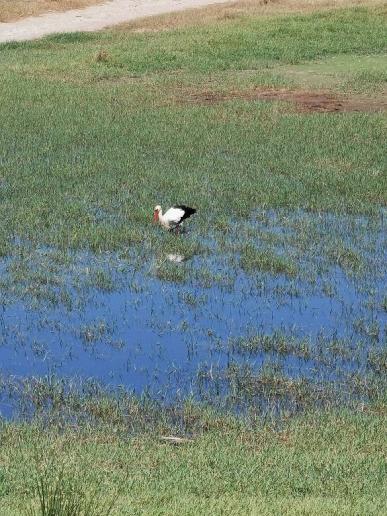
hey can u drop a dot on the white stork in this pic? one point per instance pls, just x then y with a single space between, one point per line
173 217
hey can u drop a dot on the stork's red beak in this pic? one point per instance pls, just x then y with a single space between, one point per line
155 216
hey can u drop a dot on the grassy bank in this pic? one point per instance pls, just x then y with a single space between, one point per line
317 464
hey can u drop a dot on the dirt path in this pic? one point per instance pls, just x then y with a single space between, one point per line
93 18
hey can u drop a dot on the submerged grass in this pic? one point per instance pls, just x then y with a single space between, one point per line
281 344
253 259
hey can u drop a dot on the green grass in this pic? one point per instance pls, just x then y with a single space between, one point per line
59 493
88 147
343 72
317 464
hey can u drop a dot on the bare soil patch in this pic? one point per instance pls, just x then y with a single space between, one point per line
304 101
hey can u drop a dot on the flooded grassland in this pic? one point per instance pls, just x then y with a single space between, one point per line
275 297
283 311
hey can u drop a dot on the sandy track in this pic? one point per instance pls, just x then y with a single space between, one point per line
93 18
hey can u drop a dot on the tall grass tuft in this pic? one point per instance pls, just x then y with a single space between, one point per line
58 492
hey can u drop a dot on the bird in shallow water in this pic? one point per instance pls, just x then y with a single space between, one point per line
172 218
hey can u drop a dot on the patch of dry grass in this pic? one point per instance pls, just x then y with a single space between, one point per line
232 10
11 10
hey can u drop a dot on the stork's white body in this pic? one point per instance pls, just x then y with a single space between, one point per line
171 217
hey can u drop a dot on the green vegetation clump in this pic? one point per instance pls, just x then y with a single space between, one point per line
266 261
277 343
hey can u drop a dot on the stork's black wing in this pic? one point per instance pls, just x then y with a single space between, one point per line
187 211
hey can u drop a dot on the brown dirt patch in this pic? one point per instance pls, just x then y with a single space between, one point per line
304 101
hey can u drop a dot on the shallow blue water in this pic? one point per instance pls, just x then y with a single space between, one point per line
155 335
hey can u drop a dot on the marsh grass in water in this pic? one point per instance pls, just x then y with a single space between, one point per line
253 259
277 343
